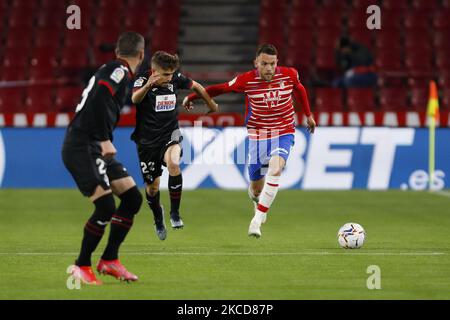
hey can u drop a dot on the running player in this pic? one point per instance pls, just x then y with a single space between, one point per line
270 124
89 155
157 134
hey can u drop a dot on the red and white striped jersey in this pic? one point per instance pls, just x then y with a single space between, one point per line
269 104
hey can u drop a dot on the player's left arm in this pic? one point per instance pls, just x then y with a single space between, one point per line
202 93
301 97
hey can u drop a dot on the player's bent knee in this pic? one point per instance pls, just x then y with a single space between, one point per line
105 207
131 201
152 190
174 169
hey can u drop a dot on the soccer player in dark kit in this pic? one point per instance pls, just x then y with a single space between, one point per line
157 133
89 155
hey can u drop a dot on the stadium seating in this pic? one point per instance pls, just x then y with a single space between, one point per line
37 46
361 100
329 99
393 99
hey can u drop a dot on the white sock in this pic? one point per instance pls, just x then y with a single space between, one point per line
267 195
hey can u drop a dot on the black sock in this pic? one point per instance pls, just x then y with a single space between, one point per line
122 221
95 228
175 189
155 205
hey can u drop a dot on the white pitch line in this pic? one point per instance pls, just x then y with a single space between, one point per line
324 253
441 193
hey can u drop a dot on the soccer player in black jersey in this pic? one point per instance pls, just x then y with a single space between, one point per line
157 134
89 155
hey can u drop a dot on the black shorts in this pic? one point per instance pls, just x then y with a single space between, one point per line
89 169
151 159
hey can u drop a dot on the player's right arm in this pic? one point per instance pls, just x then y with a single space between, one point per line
235 85
142 85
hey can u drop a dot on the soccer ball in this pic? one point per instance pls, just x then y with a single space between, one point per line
351 236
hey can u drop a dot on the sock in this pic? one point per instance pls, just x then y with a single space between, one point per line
267 195
95 228
175 189
154 204
122 221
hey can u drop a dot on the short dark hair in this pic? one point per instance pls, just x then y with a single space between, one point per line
130 44
166 60
267 49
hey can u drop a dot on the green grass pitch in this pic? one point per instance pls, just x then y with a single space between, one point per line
408 237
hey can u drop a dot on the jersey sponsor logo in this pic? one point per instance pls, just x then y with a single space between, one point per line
272 98
230 84
2 159
117 75
165 103
139 82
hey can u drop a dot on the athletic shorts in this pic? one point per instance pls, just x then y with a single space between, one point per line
89 169
151 159
260 152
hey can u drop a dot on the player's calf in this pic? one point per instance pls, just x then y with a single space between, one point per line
122 221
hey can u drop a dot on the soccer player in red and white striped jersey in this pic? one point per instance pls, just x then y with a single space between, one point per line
270 91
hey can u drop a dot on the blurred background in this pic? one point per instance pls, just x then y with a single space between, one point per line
346 67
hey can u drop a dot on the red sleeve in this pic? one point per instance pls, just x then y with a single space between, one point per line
300 93
235 85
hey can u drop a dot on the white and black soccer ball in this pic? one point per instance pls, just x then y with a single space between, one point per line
351 236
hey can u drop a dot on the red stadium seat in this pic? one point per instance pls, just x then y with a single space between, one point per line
48 38
40 99
417 38
331 18
139 23
41 73
303 4
328 37
110 5
76 38
14 73
299 20
67 98
419 98
299 57
390 20
47 19
442 61
387 38
329 100
72 59
419 61
24 4
109 19
11 100
333 4
362 3
19 39
393 99
441 20
357 18
53 5
445 99
417 20
15 57
360 100
425 5
44 57
301 38
325 59
22 19
106 36
394 5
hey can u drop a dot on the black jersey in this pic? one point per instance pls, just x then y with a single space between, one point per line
157 113
99 110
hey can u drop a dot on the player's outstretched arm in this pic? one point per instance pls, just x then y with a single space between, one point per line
302 97
201 92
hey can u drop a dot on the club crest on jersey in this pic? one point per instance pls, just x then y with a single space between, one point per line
271 98
170 87
118 75
165 103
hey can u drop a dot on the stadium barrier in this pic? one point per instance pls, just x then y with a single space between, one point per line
341 158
